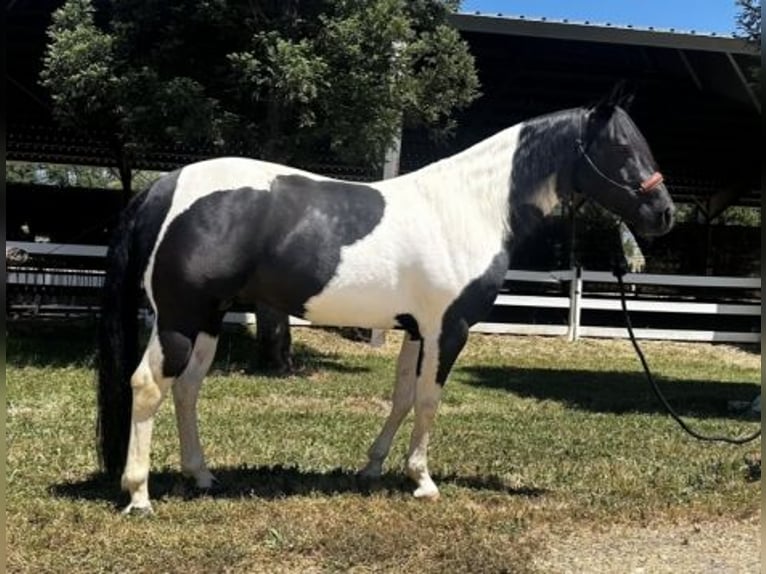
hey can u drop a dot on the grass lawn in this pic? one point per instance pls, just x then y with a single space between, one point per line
534 437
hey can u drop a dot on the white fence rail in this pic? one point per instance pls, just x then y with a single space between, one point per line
577 302
579 298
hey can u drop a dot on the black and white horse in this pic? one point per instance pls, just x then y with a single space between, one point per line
426 252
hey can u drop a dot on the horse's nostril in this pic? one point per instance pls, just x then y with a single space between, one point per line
667 216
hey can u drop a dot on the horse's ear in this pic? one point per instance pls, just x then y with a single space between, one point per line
624 92
627 101
620 95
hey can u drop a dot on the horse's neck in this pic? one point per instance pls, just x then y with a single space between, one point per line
509 181
542 168
474 183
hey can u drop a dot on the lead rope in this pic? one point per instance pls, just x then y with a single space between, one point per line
619 272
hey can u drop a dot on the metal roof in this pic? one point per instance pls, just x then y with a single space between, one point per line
600 32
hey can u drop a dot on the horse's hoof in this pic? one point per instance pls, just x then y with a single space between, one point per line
213 490
205 485
370 472
133 510
427 492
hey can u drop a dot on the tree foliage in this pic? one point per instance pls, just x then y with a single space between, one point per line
749 20
67 175
277 79
749 28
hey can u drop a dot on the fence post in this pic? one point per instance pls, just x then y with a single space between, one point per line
575 298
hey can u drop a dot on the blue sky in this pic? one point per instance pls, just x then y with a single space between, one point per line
702 16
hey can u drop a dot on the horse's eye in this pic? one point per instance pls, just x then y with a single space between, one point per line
623 151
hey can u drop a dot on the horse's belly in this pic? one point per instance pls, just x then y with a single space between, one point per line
361 306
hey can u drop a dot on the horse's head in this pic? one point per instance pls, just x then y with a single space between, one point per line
615 167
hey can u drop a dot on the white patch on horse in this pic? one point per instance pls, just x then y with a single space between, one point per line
185 393
149 389
441 229
545 196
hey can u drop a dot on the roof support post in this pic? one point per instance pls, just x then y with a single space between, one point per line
126 174
390 170
573 206
688 65
743 81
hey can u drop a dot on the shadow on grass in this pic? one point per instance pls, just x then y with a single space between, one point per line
274 482
751 348
51 343
236 352
73 342
615 392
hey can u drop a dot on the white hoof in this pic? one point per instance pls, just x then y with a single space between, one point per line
427 492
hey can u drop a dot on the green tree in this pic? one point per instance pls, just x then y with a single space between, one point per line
67 175
283 80
749 20
276 79
749 28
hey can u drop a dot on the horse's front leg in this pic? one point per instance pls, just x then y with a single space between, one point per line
439 354
402 400
185 393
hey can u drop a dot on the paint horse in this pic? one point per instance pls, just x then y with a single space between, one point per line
426 252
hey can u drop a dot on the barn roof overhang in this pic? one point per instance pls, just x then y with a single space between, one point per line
732 55
600 32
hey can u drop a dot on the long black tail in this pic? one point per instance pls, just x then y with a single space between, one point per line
118 342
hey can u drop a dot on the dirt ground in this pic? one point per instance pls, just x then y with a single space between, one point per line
721 547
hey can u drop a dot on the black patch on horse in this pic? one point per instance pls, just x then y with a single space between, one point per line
176 352
280 247
309 222
411 327
471 306
203 259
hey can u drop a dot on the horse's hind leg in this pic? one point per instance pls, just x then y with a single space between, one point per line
165 357
185 392
403 397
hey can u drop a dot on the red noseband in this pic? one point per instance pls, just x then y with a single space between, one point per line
651 182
